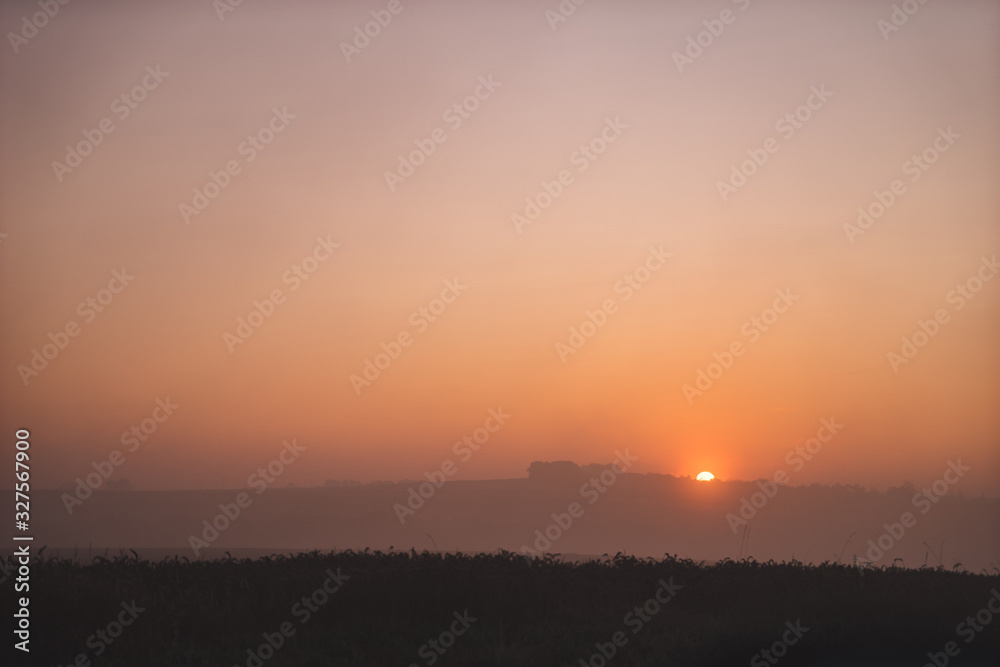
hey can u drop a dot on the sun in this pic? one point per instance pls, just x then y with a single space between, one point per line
705 476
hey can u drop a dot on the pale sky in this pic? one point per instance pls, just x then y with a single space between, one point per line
606 75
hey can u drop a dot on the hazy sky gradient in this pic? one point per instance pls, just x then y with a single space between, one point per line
495 345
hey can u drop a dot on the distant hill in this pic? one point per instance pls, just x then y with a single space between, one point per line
559 508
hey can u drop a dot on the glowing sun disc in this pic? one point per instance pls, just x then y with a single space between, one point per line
705 476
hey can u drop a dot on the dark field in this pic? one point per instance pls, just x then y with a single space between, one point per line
387 607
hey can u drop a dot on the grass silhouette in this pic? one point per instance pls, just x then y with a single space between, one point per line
542 612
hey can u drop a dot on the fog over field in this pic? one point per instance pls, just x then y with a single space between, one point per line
561 508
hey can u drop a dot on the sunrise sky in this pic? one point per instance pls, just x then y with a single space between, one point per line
338 119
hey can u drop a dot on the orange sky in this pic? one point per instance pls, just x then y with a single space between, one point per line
342 125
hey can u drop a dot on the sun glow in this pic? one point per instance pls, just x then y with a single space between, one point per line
705 476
